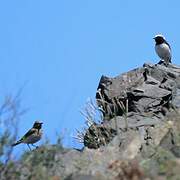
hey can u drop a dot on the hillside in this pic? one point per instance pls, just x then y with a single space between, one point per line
138 137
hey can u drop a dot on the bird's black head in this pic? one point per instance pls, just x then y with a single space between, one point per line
159 39
37 125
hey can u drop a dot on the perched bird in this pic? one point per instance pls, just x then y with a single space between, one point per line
163 49
32 136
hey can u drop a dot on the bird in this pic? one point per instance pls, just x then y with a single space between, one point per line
162 49
32 136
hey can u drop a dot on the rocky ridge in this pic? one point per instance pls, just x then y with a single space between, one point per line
138 138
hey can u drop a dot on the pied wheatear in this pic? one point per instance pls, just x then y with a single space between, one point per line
163 49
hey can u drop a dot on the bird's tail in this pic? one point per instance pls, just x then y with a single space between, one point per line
18 142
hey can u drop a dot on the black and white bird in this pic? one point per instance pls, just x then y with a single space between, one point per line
163 49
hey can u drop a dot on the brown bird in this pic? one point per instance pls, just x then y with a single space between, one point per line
32 136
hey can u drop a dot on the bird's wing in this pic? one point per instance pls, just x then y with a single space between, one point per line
170 51
30 132
168 44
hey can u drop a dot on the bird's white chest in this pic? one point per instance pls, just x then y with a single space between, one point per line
163 51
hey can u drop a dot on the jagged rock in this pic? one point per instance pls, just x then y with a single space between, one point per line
152 88
139 99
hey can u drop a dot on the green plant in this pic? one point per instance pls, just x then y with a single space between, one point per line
10 113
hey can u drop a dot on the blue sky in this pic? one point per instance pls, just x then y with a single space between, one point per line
62 47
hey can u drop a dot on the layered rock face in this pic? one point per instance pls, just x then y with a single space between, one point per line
139 99
150 89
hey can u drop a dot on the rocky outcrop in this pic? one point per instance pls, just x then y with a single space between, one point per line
138 137
141 108
151 89
139 99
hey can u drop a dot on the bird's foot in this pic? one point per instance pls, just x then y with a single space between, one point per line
162 62
35 146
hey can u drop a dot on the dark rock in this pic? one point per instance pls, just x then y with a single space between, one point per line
176 151
146 89
98 135
139 98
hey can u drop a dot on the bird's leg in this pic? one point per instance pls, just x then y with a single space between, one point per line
29 146
161 62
